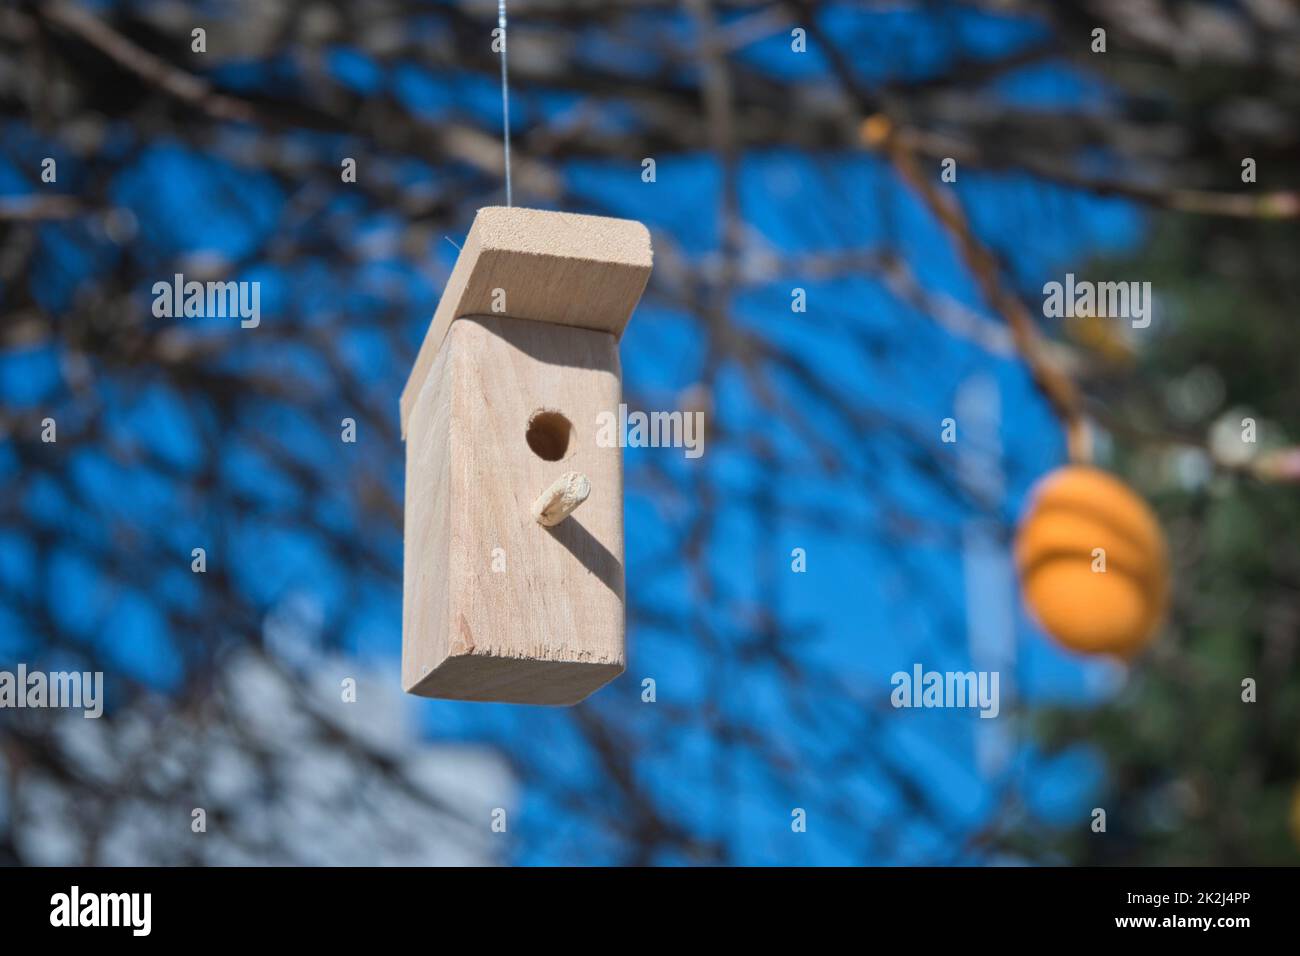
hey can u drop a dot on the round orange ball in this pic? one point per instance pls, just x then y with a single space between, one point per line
1072 512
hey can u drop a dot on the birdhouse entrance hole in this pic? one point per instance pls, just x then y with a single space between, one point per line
549 434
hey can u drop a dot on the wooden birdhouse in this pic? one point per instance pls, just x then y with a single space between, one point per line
513 581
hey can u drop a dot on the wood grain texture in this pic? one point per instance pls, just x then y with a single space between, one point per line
549 628
566 269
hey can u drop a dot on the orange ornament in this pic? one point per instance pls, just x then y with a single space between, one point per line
1081 520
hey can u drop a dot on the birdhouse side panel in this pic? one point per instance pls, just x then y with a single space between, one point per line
427 529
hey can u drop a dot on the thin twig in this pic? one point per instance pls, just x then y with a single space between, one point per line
180 84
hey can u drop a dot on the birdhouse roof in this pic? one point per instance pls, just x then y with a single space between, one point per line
568 269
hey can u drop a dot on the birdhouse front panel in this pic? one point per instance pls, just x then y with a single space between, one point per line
500 607
514 561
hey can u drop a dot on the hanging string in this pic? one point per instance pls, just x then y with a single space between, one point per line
505 97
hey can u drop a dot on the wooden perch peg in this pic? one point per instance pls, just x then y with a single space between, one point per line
561 499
